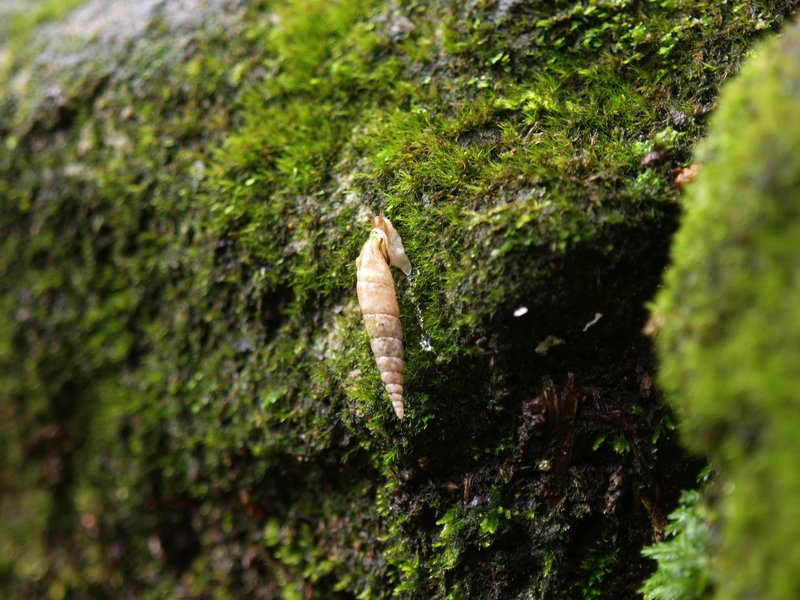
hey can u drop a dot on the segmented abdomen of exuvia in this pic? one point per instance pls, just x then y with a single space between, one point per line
378 301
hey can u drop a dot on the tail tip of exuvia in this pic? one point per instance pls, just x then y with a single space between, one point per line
398 409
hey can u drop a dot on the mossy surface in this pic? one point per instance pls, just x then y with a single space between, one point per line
684 555
189 406
731 322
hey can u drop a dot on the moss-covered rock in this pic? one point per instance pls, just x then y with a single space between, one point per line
189 404
730 314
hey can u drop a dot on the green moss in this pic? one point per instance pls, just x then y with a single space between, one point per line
177 255
594 571
19 23
683 557
731 321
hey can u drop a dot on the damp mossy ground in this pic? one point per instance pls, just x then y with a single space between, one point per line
189 403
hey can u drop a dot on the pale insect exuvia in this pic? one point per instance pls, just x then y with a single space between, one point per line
378 301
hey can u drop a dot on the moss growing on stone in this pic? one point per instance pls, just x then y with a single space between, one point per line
181 218
730 342
683 556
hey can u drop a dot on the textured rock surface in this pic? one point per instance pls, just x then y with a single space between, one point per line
188 402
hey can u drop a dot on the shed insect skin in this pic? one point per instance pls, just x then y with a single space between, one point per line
378 300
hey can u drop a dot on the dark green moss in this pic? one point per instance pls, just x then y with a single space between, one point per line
731 321
178 243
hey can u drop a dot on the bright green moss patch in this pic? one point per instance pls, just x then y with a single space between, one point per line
683 557
177 252
731 322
